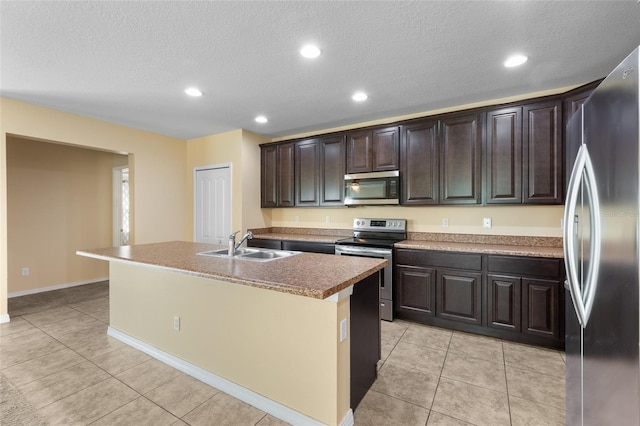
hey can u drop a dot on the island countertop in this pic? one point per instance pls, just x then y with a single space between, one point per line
306 274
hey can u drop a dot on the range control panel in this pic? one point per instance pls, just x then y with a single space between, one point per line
380 225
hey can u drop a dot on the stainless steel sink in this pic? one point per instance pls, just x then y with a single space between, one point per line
225 252
253 254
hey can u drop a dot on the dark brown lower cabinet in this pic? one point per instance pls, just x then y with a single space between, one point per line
459 296
540 315
365 336
503 302
418 290
295 245
510 297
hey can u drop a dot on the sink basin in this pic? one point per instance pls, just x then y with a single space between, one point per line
254 254
224 252
268 255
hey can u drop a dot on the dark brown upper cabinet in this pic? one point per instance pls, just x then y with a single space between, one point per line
332 170
542 159
307 172
373 150
460 145
504 156
524 162
419 163
277 175
573 100
319 171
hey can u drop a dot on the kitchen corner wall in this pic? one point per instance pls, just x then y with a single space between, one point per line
241 149
157 167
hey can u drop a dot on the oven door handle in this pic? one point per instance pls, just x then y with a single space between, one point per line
359 251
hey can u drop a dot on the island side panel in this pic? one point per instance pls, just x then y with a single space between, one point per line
282 346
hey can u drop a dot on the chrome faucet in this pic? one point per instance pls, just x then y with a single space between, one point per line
232 241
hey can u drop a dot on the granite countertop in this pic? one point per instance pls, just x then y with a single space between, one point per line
549 247
306 274
484 248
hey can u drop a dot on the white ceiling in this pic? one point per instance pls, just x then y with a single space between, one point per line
129 62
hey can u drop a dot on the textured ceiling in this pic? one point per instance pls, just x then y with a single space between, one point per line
129 62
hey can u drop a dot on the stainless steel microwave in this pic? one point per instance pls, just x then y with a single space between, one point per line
374 188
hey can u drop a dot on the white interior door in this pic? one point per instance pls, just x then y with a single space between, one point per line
212 201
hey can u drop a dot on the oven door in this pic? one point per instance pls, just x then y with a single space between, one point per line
386 278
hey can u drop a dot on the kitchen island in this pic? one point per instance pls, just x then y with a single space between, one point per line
269 333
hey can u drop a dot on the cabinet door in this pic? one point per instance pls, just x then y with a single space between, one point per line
415 290
385 146
541 307
542 153
419 163
572 102
460 159
332 155
269 176
503 302
504 156
285 175
459 296
307 173
359 146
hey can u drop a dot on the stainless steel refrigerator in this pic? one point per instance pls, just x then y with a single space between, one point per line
602 254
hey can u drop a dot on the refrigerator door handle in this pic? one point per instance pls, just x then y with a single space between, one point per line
582 299
591 280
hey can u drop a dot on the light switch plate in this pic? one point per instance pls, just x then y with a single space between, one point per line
486 222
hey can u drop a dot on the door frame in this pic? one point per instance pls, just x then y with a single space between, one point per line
195 188
117 205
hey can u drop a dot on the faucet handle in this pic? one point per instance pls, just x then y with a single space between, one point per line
233 235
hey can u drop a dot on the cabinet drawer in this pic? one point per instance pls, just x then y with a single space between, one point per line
265 243
309 246
550 268
469 261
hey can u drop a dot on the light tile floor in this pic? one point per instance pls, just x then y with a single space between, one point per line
58 367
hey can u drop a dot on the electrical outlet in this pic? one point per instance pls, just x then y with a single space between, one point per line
327 219
297 219
343 330
486 222
445 222
176 323
25 272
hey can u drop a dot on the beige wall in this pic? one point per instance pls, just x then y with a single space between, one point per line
282 346
240 149
157 163
59 201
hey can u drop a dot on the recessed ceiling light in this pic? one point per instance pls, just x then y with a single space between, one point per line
310 51
359 96
261 119
192 91
515 60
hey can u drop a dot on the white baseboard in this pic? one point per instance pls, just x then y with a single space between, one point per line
56 287
243 394
4 318
348 419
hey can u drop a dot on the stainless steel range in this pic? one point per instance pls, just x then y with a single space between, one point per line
375 238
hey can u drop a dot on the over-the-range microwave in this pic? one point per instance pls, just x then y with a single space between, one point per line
373 188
